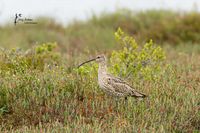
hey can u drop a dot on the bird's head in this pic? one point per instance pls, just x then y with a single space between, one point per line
99 59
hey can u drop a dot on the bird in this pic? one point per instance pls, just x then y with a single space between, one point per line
111 85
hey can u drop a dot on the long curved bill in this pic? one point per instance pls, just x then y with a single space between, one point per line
86 62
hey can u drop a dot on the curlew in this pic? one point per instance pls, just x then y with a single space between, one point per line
111 85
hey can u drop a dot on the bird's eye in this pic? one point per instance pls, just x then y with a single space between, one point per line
98 57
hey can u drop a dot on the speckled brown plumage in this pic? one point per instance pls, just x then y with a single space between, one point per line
113 85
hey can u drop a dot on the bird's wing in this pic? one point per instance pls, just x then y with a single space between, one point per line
121 87
116 79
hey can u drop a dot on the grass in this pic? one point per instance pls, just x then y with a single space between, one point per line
41 92
56 98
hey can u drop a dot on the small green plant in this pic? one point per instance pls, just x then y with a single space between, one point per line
16 61
134 61
45 48
90 70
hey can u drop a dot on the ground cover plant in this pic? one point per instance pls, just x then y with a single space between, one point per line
41 89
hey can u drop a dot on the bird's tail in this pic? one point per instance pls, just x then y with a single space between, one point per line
137 94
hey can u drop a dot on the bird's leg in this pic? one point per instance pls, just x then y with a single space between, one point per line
116 103
126 101
126 98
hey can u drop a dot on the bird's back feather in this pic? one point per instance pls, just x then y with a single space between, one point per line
122 88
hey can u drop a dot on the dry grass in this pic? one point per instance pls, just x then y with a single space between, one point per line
59 99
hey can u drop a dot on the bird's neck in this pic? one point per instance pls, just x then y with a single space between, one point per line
102 68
